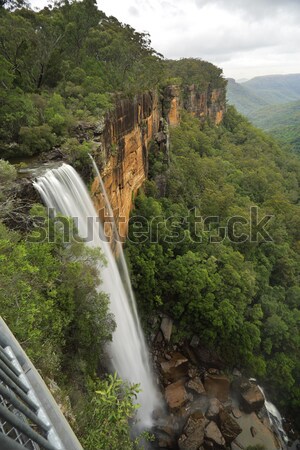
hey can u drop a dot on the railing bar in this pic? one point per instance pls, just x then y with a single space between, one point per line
6 443
24 428
10 396
11 375
18 391
9 364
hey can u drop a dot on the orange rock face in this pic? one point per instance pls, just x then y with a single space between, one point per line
130 131
124 137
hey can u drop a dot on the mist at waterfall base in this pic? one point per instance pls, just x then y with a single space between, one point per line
63 190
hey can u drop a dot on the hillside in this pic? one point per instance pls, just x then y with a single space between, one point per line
258 92
243 98
275 88
271 103
282 121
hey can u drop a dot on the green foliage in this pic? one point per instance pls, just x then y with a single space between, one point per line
35 140
49 298
8 174
105 420
56 115
281 121
62 65
195 71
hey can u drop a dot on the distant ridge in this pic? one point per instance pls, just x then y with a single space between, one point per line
244 99
271 102
275 88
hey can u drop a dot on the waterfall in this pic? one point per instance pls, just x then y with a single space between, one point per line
63 190
275 419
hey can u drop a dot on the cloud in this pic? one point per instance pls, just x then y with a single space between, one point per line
133 11
257 9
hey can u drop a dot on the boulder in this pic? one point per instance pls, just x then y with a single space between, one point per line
252 399
250 396
165 441
196 385
213 409
229 427
169 425
207 358
217 386
213 434
175 368
176 395
166 328
236 413
193 433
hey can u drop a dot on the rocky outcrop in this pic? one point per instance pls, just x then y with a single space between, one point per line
217 386
206 409
229 427
250 395
176 395
214 435
202 104
193 433
121 153
175 368
122 140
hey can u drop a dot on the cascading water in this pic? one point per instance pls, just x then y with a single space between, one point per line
275 419
63 190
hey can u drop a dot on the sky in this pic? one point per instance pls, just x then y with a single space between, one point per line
246 38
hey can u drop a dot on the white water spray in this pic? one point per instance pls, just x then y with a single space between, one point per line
275 418
63 190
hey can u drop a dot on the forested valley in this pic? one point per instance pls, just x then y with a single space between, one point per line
196 249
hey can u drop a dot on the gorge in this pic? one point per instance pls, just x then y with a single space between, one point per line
192 185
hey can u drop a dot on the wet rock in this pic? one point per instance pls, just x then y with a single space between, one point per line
252 399
165 441
208 358
196 385
229 427
193 433
159 338
175 368
213 434
166 328
235 446
176 395
236 413
213 409
217 386
228 406
250 396
193 372
169 425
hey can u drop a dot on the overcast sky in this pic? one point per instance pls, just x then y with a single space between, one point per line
244 37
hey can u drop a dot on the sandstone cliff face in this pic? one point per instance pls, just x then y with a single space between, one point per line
123 139
123 154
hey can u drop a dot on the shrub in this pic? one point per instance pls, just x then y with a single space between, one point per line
36 139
